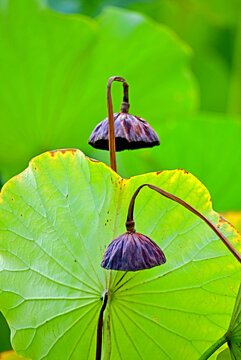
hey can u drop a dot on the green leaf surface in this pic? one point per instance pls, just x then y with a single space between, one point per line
56 220
217 13
224 355
234 331
54 70
235 218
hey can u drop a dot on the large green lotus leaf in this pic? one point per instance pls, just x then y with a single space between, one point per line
206 145
54 70
56 220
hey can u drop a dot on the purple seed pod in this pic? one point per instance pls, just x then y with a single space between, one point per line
131 132
132 251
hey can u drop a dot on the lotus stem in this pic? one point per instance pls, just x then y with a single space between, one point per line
130 223
111 125
100 328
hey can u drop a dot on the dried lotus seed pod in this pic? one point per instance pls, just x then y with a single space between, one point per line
132 251
131 132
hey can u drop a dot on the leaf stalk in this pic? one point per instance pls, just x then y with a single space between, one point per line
130 222
100 328
111 124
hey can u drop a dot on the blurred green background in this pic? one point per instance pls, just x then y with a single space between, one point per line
180 58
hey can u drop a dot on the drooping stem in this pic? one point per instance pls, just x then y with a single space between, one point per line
130 223
210 351
100 328
111 125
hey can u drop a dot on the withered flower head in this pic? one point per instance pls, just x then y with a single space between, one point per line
132 251
131 132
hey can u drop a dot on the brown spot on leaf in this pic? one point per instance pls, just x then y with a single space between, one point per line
222 220
184 171
63 151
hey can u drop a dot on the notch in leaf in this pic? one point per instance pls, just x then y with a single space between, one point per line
121 131
134 251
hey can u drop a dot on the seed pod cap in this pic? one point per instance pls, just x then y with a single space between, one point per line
132 252
131 132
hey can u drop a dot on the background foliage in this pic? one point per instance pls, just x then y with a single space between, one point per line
180 59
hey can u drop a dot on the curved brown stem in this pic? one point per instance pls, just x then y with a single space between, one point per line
130 223
111 125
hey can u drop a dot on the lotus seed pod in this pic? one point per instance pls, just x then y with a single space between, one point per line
131 132
132 251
